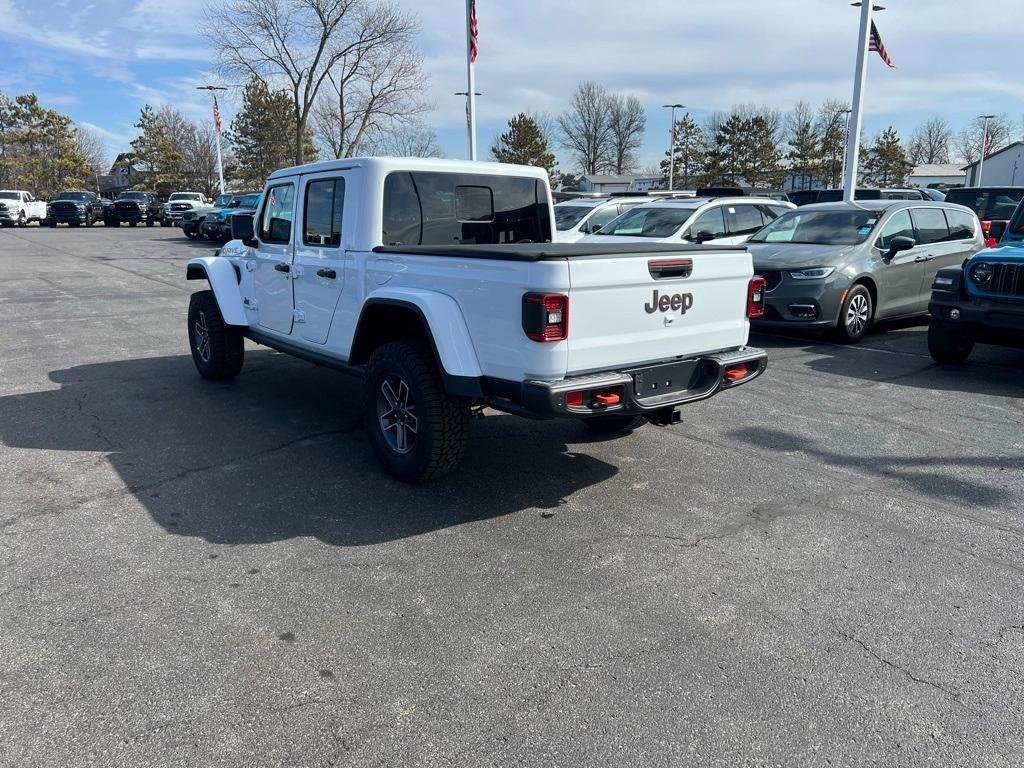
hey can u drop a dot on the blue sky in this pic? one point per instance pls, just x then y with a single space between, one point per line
101 60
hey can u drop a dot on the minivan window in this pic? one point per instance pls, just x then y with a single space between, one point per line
898 225
430 208
930 225
961 224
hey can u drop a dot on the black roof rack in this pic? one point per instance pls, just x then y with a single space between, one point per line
720 192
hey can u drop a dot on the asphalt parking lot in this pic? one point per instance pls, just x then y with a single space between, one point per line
824 567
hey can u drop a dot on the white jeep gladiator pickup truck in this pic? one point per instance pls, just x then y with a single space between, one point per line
18 208
437 282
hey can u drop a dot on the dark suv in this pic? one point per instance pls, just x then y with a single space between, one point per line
217 224
992 204
74 209
134 207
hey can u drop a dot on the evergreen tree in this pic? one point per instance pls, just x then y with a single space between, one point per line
761 155
524 144
39 148
262 134
690 160
804 147
157 152
885 162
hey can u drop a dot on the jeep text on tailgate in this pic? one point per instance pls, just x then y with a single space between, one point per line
437 282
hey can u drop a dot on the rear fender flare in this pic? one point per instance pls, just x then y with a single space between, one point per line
223 279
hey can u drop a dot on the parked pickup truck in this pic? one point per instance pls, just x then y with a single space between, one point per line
75 209
437 282
982 300
18 208
134 207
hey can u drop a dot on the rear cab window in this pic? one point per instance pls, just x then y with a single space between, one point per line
436 208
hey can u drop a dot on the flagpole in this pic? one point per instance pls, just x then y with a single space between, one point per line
216 128
984 147
470 80
853 140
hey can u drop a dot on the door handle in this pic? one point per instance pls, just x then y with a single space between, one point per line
282 267
330 274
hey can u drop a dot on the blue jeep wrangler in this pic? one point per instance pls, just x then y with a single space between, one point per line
982 300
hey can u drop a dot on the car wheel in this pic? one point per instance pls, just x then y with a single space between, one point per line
855 315
948 342
89 221
417 431
191 235
22 221
133 223
109 223
612 425
53 224
149 221
218 349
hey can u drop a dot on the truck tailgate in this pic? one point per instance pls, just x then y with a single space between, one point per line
638 308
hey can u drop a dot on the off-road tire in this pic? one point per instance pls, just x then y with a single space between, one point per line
858 304
442 421
948 343
612 425
149 221
222 355
133 223
52 224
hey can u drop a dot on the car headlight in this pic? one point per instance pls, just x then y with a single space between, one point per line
981 274
812 273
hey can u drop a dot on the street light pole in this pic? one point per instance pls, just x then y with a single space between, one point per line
672 145
846 139
216 128
984 146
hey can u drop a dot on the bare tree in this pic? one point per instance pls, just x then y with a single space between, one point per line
373 91
92 148
407 140
298 43
831 126
585 130
627 122
968 141
199 159
929 143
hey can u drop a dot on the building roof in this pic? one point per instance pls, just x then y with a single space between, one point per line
938 169
990 155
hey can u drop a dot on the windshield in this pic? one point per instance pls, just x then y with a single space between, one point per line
184 196
989 204
249 201
1016 225
222 200
132 196
648 222
8 195
72 196
845 227
568 216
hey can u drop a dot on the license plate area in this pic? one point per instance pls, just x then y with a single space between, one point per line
657 381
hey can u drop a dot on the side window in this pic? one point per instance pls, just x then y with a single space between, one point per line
602 217
743 219
898 225
710 221
325 202
961 224
276 219
930 224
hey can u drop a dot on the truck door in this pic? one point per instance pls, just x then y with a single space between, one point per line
273 275
320 251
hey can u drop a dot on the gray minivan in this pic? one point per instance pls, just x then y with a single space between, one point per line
844 265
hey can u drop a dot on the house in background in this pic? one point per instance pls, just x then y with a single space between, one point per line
1003 168
598 182
936 174
124 174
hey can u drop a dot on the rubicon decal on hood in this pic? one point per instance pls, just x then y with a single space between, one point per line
675 302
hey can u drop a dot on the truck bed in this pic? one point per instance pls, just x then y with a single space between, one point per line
551 251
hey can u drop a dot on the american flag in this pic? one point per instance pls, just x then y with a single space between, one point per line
474 32
879 47
986 141
216 116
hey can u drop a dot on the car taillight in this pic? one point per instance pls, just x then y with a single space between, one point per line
755 296
546 316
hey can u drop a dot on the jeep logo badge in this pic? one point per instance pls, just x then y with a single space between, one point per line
676 302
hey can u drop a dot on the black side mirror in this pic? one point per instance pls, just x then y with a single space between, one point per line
898 244
703 236
996 230
242 228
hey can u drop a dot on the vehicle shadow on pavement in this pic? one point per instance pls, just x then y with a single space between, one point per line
279 453
900 356
931 476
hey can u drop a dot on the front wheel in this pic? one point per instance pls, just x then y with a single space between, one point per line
192 235
149 222
948 343
22 221
855 315
218 349
417 431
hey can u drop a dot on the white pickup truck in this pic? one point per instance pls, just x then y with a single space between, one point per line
18 208
436 281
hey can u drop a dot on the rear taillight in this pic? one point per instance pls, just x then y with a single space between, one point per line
546 316
755 296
